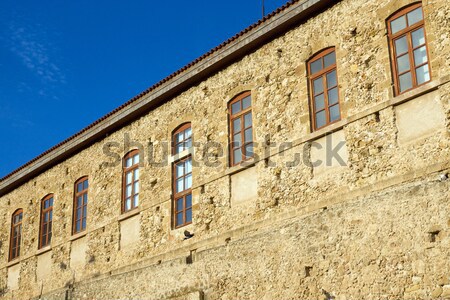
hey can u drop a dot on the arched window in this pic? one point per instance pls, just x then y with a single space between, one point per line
45 234
324 90
409 51
241 128
16 234
130 181
182 177
80 202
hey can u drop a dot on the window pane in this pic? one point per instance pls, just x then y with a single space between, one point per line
319 102
128 176
237 140
179 169
85 184
136 174
249 150
84 211
248 120
179 137
78 226
46 217
423 74
50 201
401 46
420 56
179 148
334 113
136 200
79 187
418 37
333 96
85 199
179 204
237 125
128 191
189 201
79 201
237 155
129 162
329 59
180 185
78 216
316 66
83 224
188 215
236 107
246 102
187 133
136 187
331 79
405 82
248 135
320 119
50 217
136 159
398 24
318 86
415 16
128 204
403 63
188 165
179 219
188 143
188 181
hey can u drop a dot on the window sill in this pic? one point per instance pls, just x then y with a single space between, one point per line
129 214
13 262
44 250
78 235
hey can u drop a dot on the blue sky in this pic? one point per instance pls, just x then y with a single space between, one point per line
64 64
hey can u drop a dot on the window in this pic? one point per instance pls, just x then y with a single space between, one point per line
182 177
130 188
241 128
80 202
409 51
45 236
16 234
324 91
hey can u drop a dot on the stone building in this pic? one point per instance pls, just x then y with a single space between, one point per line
305 158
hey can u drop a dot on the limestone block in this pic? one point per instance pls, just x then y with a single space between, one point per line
419 118
13 277
129 232
244 186
329 153
78 253
44 265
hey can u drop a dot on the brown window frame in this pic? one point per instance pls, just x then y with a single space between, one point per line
242 128
407 31
186 141
185 194
15 241
131 169
84 196
322 73
46 239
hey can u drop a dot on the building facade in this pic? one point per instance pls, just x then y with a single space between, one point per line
305 158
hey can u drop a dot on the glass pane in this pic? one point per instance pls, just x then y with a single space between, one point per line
249 150
237 125
136 159
320 119
237 140
83 224
79 187
187 133
188 181
403 63
179 137
136 174
420 56
46 217
50 215
179 220
405 82
78 215
128 191
334 113
246 102
128 204
136 187
180 185
333 96
398 24
415 16
188 165
179 205
188 143
179 148
188 215
401 46
418 37
318 86
179 169
50 201
85 199
236 107
84 211
85 184
49 239
329 59
423 74
78 226
136 200
248 135
79 201
44 230
189 201
248 120
237 155
331 79
316 66
128 176
129 162
319 102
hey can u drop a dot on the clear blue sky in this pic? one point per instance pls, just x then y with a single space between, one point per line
64 64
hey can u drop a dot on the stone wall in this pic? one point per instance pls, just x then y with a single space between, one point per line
375 227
